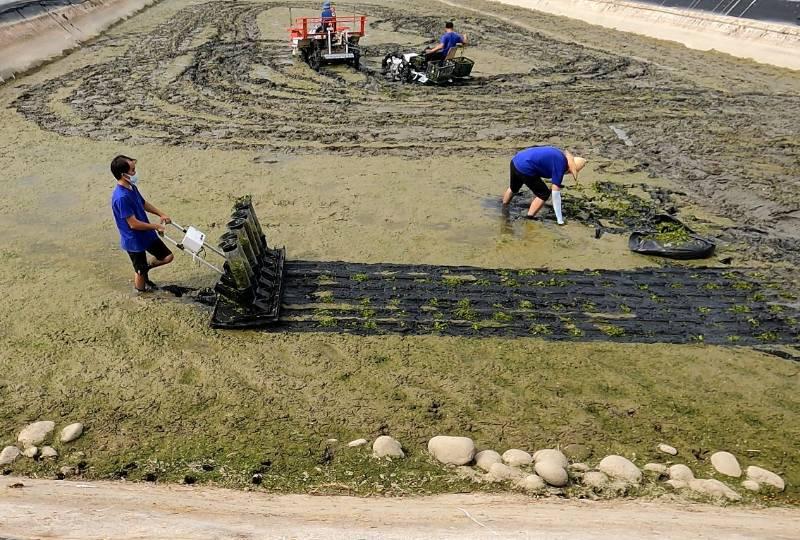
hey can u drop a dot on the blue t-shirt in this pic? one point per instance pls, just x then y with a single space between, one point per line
450 40
126 203
327 13
543 162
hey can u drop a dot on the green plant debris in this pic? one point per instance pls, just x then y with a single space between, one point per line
643 286
439 326
734 339
360 278
529 272
775 308
758 297
452 281
676 285
540 330
325 318
590 307
611 330
754 322
370 325
433 302
367 313
525 304
743 286
704 310
669 234
464 310
711 286
502 317
393 303
768 336
366 301
482 282
739 308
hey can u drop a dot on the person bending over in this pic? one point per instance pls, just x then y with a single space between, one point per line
529 166
137 235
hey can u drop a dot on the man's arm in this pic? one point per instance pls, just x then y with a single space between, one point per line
153 210
437 48
137 225
464 39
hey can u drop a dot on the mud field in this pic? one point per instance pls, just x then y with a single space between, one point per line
398 319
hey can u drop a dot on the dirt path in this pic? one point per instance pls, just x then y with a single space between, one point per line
119 510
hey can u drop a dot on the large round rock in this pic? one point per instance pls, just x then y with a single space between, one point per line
500 472
726 463
71 432
680 472
9 455
620 468
486 458
452 450
763 476
552 472
550 454
385 446
35 434
714 488
517 458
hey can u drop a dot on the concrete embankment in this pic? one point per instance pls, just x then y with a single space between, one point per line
34 32
769 43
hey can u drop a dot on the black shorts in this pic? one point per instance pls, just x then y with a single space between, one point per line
534 183
157 249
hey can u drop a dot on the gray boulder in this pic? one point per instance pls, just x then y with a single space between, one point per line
595 479
357 442
500 472
31 452
714 488
680 472
551 454
667 449
763 476
452 450
71 432
552 472
751 485
655 468
385 446
726 463
9 455
620 468
34 434
486 458
517 458
531 483
49 452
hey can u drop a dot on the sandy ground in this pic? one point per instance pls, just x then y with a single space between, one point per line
51 509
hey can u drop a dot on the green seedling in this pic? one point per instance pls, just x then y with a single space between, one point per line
500 316
540 330
525 304
643 286
366 301
483 282
465 311
734 339
768 336
611 330
359 277
711 286
704 310
739 308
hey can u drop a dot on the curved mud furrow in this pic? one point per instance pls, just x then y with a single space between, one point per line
211 77
671 305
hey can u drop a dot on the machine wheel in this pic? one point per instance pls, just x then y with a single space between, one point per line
314 57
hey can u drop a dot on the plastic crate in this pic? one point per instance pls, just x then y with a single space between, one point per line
440 72
463 67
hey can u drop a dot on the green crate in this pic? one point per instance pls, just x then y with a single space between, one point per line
440 72
463 66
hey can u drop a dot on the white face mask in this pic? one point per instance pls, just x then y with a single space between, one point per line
133 179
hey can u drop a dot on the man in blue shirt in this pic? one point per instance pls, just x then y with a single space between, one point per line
328 16
137 235
529 166
449 40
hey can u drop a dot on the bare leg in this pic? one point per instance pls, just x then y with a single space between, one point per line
155 263
139 281
536 205
507 196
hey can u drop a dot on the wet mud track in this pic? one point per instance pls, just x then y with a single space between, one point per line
208 78
670 305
